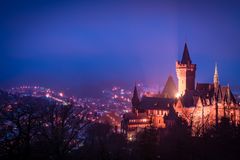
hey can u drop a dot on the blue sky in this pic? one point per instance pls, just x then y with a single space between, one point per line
85 46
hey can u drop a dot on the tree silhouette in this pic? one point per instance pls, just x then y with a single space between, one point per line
38 128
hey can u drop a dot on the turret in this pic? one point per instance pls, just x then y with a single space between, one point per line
135 100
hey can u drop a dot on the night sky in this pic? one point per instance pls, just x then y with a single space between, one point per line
84 46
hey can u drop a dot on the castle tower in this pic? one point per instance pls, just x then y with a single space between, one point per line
135 100
185 72
215 77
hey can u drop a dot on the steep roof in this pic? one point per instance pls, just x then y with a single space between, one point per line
135 92
186 57
227 94
207 92
135 99
156 103
204 87
170 89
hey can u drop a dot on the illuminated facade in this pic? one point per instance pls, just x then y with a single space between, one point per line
205 105
156 110
202 106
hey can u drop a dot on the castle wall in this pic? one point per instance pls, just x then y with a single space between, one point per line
157 117
203 117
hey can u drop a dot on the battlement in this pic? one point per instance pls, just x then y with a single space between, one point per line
179 65
182 65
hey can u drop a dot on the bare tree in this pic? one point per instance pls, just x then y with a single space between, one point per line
19 125
62 129
36 127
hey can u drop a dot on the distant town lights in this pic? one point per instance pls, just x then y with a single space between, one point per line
47 95
61 94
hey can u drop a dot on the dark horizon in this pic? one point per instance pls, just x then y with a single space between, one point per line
85 46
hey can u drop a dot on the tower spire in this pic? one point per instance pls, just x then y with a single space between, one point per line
215 77
216 69
135 93
186 57
135 99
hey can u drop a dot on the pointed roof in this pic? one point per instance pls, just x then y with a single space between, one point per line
135 98
227 94
170 89
156 103
135 92
186 57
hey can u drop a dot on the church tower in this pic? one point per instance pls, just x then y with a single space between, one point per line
135 100
215 77
185 72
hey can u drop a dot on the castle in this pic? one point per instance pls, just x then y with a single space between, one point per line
202 105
